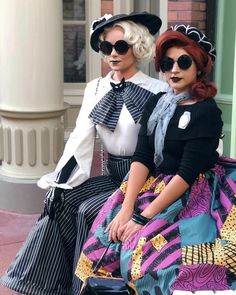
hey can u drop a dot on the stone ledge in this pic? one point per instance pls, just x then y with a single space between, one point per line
21 195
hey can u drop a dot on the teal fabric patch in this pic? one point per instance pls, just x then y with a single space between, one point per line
171 212
196 230
233 285
159 283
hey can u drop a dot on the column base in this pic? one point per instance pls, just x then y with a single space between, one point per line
21 195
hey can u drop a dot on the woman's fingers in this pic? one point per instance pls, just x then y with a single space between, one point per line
130 229
116 226
108 227
113 232
116 231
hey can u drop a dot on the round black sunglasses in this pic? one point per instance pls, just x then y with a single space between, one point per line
121 47
184 62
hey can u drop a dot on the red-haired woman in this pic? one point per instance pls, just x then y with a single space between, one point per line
175 215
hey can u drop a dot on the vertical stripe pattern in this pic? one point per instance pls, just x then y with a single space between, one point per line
44 264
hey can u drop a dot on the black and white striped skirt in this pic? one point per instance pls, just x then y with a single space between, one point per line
46 261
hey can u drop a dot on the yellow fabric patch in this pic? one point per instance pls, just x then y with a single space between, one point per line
158 242
160 187
123 187
147 185
137 259
219 253
230 257
203 253
228 230
84 268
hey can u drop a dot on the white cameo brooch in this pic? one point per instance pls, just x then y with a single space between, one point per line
184 120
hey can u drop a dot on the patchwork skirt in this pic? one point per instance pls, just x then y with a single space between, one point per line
189 246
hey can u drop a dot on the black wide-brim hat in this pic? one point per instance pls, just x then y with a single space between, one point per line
150 21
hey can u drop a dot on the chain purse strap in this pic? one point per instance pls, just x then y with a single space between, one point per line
98 83
98 264
103 161
102 153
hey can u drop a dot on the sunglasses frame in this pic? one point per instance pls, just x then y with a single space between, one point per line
106 47
184 63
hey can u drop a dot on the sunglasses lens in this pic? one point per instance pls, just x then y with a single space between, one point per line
184 62
106 47
121 47
166 64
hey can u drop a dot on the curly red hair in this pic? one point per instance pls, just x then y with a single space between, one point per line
202 88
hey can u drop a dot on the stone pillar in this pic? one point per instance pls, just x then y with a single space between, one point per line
31 99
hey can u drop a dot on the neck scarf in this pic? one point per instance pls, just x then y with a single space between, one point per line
107 110
160 118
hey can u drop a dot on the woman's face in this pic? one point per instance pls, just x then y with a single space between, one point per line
180 79
123 65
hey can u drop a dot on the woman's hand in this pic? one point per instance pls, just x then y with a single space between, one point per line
137 177
116 226
129 229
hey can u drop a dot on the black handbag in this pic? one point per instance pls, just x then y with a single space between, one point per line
100 285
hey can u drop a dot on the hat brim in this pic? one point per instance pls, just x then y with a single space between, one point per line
150 21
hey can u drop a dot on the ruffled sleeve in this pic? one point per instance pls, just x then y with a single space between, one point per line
80 145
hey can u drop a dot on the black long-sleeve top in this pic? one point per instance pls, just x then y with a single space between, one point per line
187 152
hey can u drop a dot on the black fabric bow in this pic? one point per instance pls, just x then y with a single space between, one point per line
107 110
119 86
54 202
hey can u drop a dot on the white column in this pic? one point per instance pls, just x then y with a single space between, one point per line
233 124
31 88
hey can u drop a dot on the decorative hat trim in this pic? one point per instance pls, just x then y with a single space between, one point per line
98 21
197 36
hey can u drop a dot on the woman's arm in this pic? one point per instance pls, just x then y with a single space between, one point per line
174 189
137 177
195 159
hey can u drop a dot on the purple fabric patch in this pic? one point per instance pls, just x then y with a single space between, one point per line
201 277
199 200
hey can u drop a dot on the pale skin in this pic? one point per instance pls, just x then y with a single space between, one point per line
122 65
122 227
